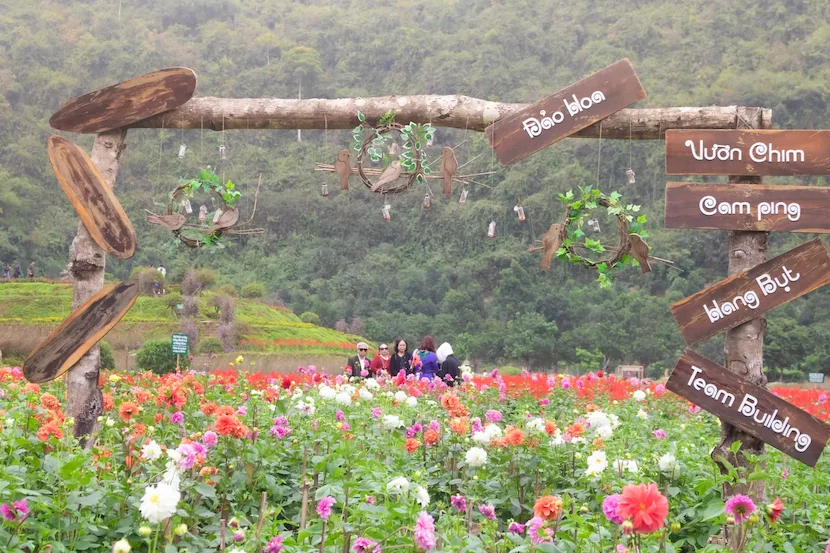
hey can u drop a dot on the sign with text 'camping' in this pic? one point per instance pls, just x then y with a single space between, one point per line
747 152
749 294
565 112
751 408
756 207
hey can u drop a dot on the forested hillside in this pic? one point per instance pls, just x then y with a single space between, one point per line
427 271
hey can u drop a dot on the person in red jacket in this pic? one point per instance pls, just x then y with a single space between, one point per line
381 361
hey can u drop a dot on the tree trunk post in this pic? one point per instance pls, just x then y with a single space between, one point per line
86 265
744 347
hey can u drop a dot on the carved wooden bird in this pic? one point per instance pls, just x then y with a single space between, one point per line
639 250
449 165
390 174
170 222
551 242
228 219
343 168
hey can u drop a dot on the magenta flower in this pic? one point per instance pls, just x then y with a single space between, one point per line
488 511
433 425
8 512
238 536
566 383
370 499
740 507
365 545
659 434
827 549
537 532
274 546
634 381
324 507
580 384
242 411
694 409
609 507
459 502
544 401
477 425
339 416
659 389
364 373
22 507
493 416
376 413
346 427
18 510
425 532
784 474
516 528
210 438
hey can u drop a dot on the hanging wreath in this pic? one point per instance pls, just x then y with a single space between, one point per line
211 224
566 239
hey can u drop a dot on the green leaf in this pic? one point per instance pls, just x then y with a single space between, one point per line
361 117
206 491
713 510
229 185
427 171
420 179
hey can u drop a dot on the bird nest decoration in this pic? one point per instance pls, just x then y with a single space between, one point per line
212 224
568 237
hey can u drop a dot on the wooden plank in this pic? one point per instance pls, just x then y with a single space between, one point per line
751 408
88 324
127 102
92 198
749 294
748 152
756 207
565 112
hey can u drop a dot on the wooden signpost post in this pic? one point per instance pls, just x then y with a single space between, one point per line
751 408
565 112
747 152
757 207
749 294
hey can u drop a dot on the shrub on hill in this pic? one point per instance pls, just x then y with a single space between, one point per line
155 356
253 290
107 356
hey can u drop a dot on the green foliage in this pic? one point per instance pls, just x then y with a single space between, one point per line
207 277
155 356
253 290
310 317
107 356
229 290
210 344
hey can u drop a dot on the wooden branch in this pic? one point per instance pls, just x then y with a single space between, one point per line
451 111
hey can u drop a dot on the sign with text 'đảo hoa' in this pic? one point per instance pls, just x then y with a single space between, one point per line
758 207
751 408
565 112
747 152
749 294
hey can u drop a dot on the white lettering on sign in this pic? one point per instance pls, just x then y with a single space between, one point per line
709 205
767 285
534 126
749 408
759 152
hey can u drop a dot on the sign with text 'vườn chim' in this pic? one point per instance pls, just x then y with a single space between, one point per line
749 294
758 207
565 112
751 408
747 152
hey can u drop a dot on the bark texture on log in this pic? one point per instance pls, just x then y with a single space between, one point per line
744 347
86 265
454 111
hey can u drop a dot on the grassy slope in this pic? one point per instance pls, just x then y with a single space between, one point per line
271 328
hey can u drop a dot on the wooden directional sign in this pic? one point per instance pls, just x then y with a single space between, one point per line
125 103
747 152
79 332
749 294
748 207
751 408
565 112
92 198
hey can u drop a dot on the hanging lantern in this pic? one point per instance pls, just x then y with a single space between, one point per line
427 201
463 197
182 150
223 152
217 215
393 149
630 174
385 212
520 211
491 230
594 224
187 207
202 212
324 190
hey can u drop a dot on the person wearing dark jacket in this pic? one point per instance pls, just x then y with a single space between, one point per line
449 363
401 359
17 272
359 364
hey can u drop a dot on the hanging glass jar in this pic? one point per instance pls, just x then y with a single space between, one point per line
520 211
594 224
324 190
463 198
630 174
393 149
385 212
182 150
202 212
187 207
427 201
223 152
217 215
491 230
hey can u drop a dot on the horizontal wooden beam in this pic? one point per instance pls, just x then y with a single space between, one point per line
450 111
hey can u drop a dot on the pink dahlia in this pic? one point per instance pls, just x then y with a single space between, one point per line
324 507
609 506
740 507
425 532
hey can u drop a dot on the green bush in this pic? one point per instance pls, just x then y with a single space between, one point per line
107 356
155 356
509 370
229 290
253 290
210 345
310 317
207 277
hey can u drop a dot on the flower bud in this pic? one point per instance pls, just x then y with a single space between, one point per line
145 531
675 526
180 530
730 520
627 527
584 510
121 546
753 518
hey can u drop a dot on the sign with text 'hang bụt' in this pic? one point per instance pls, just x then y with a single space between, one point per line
749 294
565 112
751 408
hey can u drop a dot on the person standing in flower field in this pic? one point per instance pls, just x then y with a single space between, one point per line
381 361
31 272
449 363
359 364
429 361
401 358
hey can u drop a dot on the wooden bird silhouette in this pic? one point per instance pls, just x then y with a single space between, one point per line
390 174
639 250
551 242
449 165
343 168
170 222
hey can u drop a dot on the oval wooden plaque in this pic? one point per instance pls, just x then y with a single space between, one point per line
92 198
125 103
80 332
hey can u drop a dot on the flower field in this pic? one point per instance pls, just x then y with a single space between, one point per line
247 463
